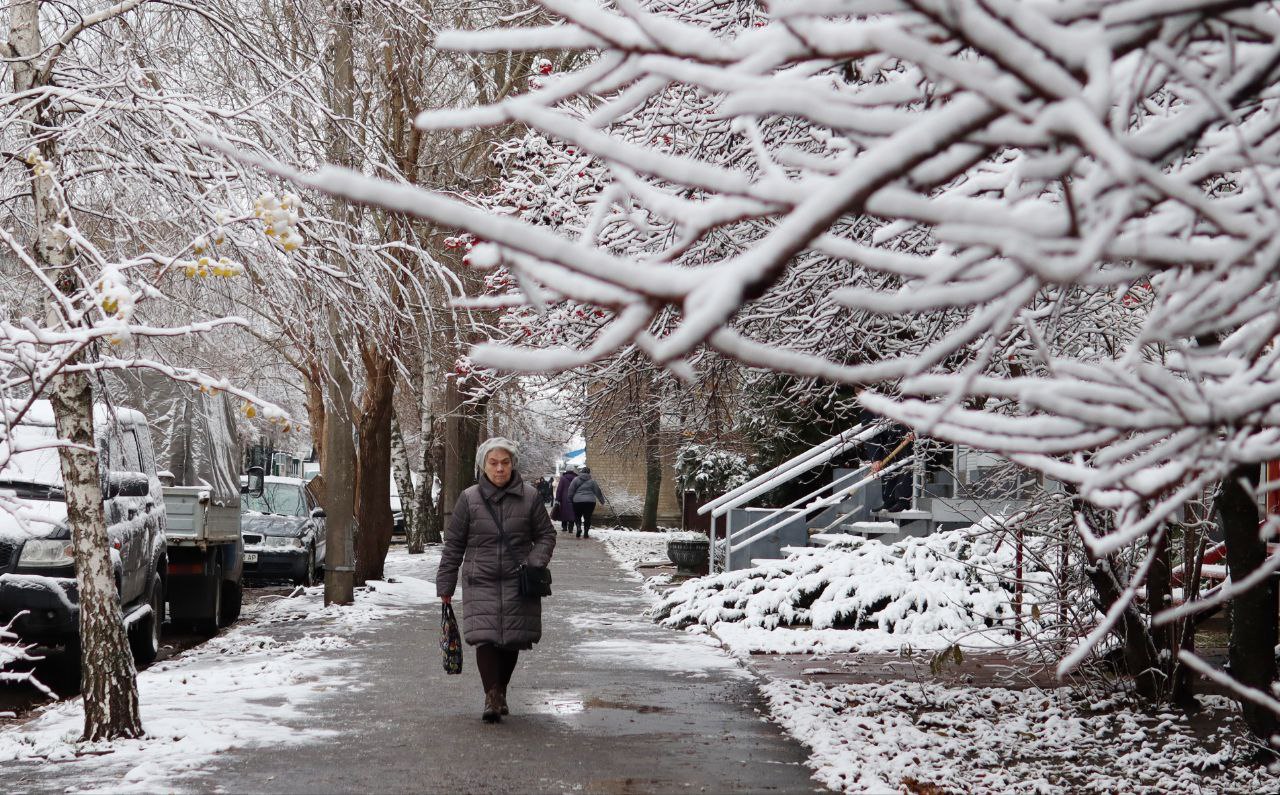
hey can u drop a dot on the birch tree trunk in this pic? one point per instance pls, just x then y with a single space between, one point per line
430 505
404 484
107 676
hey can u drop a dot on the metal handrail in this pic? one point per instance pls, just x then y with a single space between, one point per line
784 466
851 489
734 547
782 474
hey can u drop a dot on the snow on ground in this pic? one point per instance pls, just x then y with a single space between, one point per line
910 736
243 688
901 736
633 547
858 595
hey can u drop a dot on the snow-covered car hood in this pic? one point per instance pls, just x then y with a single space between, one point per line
270 524
34 519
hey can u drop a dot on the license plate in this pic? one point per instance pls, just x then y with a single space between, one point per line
251 557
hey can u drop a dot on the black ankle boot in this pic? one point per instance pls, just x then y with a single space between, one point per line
492 712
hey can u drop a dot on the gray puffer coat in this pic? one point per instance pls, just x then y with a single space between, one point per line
585 489
492 609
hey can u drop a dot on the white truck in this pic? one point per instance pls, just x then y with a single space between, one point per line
198 457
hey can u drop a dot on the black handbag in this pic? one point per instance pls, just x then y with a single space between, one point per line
535 581
532 582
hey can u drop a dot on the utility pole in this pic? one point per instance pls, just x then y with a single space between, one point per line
339 438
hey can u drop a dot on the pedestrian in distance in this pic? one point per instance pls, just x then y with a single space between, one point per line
498 525
562 508
544 490
584 492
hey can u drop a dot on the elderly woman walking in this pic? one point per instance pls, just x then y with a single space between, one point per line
498 525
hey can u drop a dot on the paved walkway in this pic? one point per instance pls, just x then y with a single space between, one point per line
607 703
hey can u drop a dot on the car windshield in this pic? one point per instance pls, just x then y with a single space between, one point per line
284 499
33 470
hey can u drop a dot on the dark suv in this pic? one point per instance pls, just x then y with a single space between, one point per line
37 576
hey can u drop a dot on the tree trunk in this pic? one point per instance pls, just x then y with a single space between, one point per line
1253 612
1192 557
404 485
1140 657
463 427
107 676
315 409
1139 653
430 501
652 471
1160 597
373 479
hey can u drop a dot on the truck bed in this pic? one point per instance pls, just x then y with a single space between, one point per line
193 519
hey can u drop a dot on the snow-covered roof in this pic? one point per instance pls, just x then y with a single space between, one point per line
41 413
277 479
29 454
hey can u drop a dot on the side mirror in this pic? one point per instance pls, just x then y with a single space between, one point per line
255 484
127 484
317 513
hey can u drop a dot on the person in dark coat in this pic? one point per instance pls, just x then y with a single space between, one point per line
495 618
562 509
584 493
544 490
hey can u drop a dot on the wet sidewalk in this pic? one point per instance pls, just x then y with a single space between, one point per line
608 702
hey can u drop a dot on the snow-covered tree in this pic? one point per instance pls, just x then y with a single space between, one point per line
1021 162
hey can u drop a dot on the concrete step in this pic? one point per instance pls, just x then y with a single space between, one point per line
823 539
905 516
770 563
799 550
872 528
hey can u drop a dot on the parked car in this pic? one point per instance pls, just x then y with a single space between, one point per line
283 531
38 589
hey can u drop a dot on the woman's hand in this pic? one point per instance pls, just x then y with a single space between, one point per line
446 600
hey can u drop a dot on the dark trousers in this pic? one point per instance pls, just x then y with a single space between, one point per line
583 510
496 665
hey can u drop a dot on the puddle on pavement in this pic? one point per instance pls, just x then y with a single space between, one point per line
643 709
566 706
572 704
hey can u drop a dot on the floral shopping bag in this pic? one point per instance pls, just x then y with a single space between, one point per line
450 640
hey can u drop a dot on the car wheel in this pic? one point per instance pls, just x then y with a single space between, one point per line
208 626
308 577
232 600
146 635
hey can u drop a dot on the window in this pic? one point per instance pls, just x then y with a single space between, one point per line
130 458
285 499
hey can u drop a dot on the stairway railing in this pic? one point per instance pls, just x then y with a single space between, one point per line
781 474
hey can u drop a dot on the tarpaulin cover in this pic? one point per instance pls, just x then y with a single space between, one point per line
193 432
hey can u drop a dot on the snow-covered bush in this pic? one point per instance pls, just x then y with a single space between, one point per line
624 503
950 582
708 470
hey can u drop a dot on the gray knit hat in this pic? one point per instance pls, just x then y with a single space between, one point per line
497 443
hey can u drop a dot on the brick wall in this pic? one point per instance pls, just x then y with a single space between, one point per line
620 472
